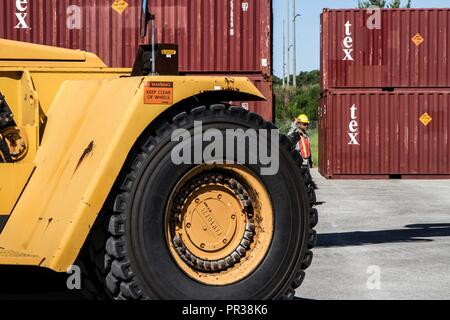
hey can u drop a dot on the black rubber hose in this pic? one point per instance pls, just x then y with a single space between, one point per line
5 152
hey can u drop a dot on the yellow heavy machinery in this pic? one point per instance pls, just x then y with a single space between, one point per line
87 178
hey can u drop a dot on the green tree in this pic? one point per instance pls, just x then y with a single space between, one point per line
368 3
306 78
291 102
382 3
277 81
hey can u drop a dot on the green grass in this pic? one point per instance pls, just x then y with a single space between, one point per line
314 134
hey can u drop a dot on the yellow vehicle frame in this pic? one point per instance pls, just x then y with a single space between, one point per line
80 119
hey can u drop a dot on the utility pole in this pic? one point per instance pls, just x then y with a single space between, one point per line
295 15
288 45
284 53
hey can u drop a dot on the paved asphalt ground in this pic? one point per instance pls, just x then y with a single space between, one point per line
381 240
377 240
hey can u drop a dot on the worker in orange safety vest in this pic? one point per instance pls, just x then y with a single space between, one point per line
299 136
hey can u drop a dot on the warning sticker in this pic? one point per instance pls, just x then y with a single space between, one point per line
158 93
418 39
425 119
120 6
168 52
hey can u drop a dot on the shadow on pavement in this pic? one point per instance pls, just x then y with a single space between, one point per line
411 233
30 283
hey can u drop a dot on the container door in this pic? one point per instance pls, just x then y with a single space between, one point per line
323 138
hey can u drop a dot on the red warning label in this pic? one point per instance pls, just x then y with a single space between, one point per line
158 93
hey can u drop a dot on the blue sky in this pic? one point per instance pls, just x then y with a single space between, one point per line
308 28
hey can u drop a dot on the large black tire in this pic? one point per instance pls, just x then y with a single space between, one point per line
127 252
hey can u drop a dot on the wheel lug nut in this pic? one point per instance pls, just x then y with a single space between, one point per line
197 201
177 241
188 225
225 241
202 246
219 197
233 217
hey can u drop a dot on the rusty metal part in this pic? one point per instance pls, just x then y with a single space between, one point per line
15 142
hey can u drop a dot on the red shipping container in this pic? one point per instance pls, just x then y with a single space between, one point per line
220 36
377 134
214 37
386 48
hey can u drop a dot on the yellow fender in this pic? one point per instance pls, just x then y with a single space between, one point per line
92 126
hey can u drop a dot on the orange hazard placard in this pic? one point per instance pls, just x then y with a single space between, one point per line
158 93
418 39
425 119
120 6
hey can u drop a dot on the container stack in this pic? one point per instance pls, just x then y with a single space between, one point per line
220 37
385 104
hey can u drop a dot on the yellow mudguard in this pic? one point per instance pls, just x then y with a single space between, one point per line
91 128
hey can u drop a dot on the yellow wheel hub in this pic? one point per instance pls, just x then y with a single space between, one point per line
219 225
212 220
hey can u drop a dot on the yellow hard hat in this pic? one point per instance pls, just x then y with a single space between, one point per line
303 118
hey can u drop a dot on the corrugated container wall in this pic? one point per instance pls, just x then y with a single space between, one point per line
397 48
371 133
214 36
